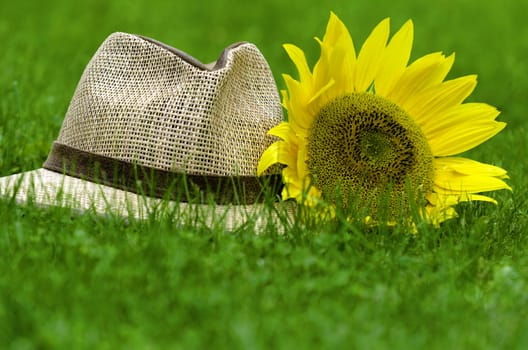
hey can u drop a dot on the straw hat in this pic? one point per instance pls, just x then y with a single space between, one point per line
150 126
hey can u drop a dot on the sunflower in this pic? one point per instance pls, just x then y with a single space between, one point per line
371 126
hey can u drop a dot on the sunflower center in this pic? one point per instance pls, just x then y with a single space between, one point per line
375 147
364 147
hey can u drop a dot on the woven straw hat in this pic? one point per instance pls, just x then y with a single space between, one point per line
149 125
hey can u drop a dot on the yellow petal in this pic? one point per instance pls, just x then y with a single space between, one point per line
285 99
313 195
268 158
426 71
315 107
369 58
441 199
291 190
428 104
299 59
297 187
477 197
461 116
468 167
338 57
277 152
450 182
321 70
437 215
447 200
341 72
302 168
298 117
282 130
440 207
462 137
337 31
290 175
395 59
297 92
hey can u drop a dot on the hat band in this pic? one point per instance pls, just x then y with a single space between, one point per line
153 182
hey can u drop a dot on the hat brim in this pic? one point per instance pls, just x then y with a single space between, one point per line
48 188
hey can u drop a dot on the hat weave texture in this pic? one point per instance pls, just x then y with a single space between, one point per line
138 101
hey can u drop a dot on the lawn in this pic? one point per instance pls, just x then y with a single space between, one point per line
70 281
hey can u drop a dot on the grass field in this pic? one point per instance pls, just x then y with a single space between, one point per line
74 282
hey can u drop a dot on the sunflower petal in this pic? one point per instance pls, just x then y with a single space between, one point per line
285 99
321 92
276 153
336 63
369 57
441 199
268 158
395 59
321 70
337 31
462 137
478 197
342 71
437 215
290 175
291 192
429 103
454 183
466 166
461 116
338 55
446 200
282 130
426 71
299 59
302 168
298 117
297 92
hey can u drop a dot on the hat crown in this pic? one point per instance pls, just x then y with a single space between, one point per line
141 101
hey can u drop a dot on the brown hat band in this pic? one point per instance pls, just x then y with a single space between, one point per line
132 177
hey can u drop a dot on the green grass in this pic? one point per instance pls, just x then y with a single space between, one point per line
70 281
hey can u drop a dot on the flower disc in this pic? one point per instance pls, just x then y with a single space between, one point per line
366 147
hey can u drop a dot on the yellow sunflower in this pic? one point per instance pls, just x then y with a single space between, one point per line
371 125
